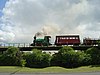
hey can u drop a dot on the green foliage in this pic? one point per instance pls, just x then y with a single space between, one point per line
95 55
23 63
11 57
12 51
85 59
56 60
37 59
67 57
65 49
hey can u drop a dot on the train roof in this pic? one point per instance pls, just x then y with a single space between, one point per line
67 36
39 39
91 38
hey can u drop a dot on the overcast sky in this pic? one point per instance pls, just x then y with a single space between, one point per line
21 19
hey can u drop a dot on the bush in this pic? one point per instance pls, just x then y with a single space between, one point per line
56 60
12 57
95 55
85 59
37 59
59 58
67 57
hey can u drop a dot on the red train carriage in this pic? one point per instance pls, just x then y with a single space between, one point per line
67 40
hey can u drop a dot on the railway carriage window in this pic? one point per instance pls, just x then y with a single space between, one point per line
63 37
73 37
76 37
57 40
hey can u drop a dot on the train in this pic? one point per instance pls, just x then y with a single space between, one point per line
61 40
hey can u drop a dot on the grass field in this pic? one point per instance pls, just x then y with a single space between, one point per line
15 69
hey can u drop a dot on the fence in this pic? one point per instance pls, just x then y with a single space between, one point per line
15 44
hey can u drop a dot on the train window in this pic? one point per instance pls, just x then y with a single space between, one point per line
73 37
76 37
63 38
70 37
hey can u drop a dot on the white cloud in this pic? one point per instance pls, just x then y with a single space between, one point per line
22 19
6 36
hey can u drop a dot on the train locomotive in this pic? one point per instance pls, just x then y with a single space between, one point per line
64 40
41 41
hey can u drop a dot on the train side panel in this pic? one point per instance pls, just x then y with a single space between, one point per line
67 40
90 41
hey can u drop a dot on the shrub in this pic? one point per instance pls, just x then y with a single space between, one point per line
56 60
37 59
67 57
11 57
65 49
95 55
59 58
85 59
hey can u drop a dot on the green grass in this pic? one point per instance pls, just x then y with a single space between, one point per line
48 69
9 68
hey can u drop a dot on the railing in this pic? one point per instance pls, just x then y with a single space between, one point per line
15 44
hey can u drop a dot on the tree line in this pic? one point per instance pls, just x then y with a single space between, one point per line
66 57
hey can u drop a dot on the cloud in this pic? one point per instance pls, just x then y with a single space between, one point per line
22 19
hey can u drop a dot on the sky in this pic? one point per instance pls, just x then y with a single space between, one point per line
20 20
2 5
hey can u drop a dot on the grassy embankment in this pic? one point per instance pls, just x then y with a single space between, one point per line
48 69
